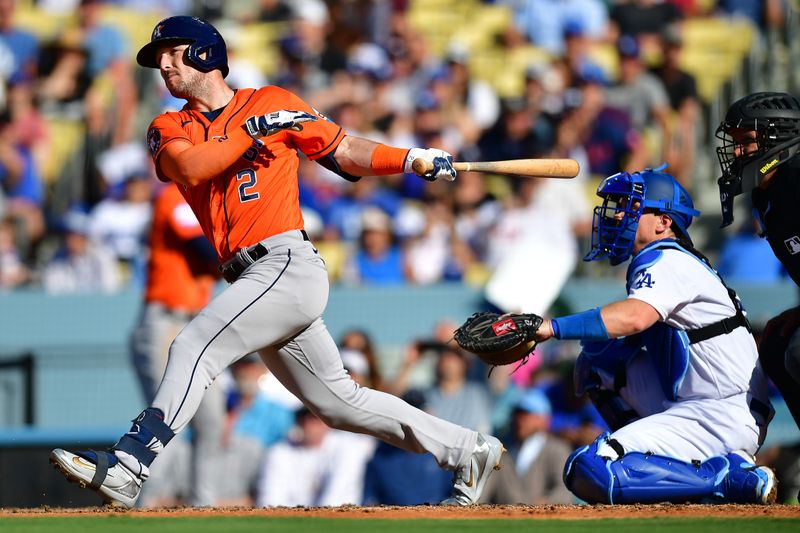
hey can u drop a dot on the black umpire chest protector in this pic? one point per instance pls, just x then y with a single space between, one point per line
778 209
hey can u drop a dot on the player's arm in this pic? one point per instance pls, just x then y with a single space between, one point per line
357 156
617 319
192 164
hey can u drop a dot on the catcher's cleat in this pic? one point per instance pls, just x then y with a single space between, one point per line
748 483
470 478
101 472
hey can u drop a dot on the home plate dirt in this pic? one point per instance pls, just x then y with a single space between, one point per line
564 512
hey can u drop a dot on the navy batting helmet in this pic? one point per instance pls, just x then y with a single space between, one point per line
202 37
625 196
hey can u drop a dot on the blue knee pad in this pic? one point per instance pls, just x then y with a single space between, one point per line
147 436
642 478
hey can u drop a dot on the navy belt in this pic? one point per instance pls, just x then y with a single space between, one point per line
233 267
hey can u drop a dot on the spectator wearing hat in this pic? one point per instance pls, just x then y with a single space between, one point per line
80 265
378 259
531 473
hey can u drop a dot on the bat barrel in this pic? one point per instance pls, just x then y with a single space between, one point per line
538 168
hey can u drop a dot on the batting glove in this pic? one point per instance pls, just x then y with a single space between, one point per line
263 125
442 163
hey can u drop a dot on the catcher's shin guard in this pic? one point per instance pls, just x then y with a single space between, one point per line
643 478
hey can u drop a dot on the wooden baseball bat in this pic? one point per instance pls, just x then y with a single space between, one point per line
529 168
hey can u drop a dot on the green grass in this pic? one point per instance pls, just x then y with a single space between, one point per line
239 524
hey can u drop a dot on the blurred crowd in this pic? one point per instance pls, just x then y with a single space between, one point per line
599 81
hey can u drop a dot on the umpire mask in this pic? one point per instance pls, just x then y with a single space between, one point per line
760 132
625 197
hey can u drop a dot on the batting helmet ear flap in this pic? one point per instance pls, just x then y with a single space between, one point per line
206 52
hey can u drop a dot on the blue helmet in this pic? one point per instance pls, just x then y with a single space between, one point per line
202 37
625 197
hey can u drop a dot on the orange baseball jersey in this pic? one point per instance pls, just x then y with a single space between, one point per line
257 196
174 277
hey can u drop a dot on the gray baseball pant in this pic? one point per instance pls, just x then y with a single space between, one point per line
275 308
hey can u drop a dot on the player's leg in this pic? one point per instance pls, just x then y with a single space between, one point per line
780 358
276 298
604 472
675 456
311 368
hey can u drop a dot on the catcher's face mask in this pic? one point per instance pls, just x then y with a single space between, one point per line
759 134
616 219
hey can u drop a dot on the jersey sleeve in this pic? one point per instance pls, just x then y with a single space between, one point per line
163 130
664 282
317 138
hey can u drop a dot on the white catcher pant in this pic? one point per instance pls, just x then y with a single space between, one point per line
686 430
275 309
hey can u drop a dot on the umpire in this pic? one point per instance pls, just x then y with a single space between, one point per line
760 140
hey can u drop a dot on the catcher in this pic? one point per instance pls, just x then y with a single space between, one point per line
673 368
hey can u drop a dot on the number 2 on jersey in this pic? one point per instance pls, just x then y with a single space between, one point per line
247 179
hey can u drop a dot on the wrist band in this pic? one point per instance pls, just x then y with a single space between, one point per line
587 325
388 160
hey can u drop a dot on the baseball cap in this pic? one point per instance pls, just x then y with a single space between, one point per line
534 401
628 46
426 101
574 28
375 219
370 59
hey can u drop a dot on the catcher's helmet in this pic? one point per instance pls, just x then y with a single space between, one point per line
625 197
202 37
775 120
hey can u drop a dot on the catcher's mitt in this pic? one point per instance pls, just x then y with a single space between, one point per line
499 339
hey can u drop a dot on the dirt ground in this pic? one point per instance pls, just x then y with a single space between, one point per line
567 512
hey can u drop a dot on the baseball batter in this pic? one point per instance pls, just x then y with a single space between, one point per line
673 368
234 156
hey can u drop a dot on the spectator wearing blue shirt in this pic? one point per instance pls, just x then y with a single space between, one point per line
22 45
378 260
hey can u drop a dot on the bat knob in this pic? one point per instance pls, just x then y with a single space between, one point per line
421 166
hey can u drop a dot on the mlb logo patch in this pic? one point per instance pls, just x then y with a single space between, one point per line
793 245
